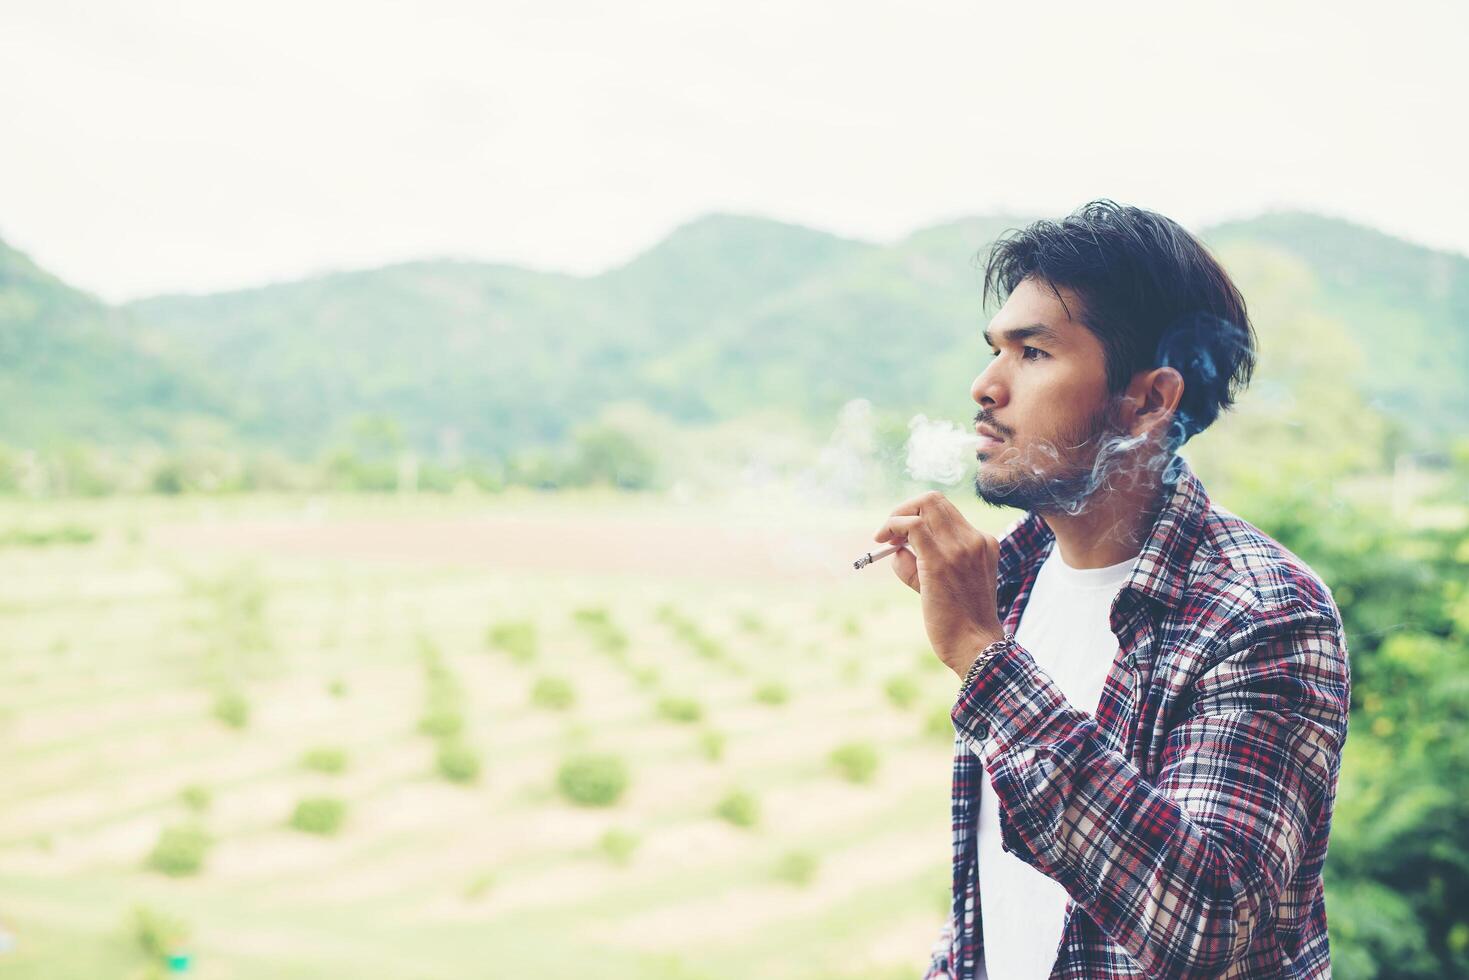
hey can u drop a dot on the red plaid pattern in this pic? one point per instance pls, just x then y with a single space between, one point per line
1188 819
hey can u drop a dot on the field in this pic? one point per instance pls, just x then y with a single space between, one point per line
177 675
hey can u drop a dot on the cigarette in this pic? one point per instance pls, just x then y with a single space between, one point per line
869 558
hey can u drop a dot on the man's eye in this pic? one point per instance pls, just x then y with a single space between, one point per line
1025 353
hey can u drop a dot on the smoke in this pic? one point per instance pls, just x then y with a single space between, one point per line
844 469
938 450
1056 477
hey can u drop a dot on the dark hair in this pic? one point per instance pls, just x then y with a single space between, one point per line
1150 292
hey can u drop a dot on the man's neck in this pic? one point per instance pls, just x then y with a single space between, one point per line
1112 529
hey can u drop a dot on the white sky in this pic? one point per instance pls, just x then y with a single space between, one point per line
197 145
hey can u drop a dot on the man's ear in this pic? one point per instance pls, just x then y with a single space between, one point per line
1155 396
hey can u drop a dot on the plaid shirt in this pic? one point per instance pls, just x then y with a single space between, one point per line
1188 819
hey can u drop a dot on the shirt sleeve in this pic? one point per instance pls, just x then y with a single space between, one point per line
1183 873
938 965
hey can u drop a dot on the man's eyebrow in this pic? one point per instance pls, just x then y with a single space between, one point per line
1017 334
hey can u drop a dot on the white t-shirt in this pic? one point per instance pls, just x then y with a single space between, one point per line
1066 627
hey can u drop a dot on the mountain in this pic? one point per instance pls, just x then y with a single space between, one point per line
1404 304
727 316
73 370
496 357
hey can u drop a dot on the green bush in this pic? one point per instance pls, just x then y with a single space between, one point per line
441 721
232 708
618 845
772 693
516 638
796 868
43 537
739 807
457 762
322 815
179 851
156 934
851 627
597 622
902 691
591 617
855 762
1398 867
337 688
325 759
553 693
688 632
685 710
645 677
196 797
711 745
592 779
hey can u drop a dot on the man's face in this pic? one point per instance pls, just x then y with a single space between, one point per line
1045 394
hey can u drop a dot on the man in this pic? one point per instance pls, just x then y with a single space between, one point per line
1147 748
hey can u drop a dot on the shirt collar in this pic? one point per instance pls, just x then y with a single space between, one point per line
1161 571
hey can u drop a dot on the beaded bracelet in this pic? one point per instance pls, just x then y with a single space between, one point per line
985 656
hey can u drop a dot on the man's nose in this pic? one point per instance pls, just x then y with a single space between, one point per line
988 388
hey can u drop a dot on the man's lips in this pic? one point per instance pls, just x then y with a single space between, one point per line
987 438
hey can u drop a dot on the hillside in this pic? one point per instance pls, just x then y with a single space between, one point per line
74 370
727 316
1405 304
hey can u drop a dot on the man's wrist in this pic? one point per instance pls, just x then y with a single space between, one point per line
981 641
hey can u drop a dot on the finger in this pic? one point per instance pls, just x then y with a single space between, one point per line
913 506
905 566
899 527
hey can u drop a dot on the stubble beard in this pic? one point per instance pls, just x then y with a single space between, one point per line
1055 476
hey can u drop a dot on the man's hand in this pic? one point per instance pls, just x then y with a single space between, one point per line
953 566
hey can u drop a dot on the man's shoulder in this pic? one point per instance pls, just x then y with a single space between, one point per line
1239 566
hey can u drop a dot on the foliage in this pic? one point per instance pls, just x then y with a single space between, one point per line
441 721
796 868
592 779
443 711
457 762
322 815
739 807
772 693
597 622
688 632
232 708
180 850
680 709
618 845
196 797
325 758
33 537
517 638
156 934
1397 875
711 745
553 693
855 762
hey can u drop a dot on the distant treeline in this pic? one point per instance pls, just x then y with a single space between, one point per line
375 462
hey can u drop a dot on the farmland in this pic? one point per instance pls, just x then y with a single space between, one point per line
328 736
